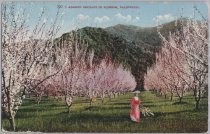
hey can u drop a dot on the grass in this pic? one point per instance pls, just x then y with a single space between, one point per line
112 115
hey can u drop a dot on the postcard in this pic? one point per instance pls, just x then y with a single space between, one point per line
104 66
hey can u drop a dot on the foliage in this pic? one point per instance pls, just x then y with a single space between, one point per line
136 52
25 56
182 63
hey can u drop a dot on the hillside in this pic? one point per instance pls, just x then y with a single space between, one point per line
133 46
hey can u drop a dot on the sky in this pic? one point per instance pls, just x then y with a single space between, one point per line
105 14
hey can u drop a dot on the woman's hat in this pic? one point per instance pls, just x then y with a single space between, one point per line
136 92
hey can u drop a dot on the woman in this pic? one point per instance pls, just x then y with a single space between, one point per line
135 111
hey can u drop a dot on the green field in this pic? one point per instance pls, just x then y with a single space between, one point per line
112 115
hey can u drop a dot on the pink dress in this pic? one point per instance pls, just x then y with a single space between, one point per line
135 111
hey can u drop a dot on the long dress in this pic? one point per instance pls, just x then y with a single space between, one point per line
135 111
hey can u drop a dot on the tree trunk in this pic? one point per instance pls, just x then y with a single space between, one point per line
140 82
180 99
39 99
102 100
197 99
69 109
102 96
197 105
68 100
12 123
38 102
171 97
110 96
91 102
11 115
165 96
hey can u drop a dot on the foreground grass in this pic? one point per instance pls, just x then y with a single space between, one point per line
112 116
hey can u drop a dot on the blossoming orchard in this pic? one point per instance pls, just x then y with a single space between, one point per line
83 80
182 64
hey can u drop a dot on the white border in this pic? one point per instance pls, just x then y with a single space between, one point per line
207 2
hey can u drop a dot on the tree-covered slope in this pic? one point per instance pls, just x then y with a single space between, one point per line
133 46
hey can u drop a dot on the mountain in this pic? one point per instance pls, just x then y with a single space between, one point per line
127 31
133 46
144 36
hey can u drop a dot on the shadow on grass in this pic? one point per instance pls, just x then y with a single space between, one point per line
179 103
121 103
92 117
150 105
34 111
38 109
148 102
154 102
97 117
117 101
96 108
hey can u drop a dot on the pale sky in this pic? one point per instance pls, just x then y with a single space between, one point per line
145 14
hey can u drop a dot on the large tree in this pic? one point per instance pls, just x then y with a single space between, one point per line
191 41
25 55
